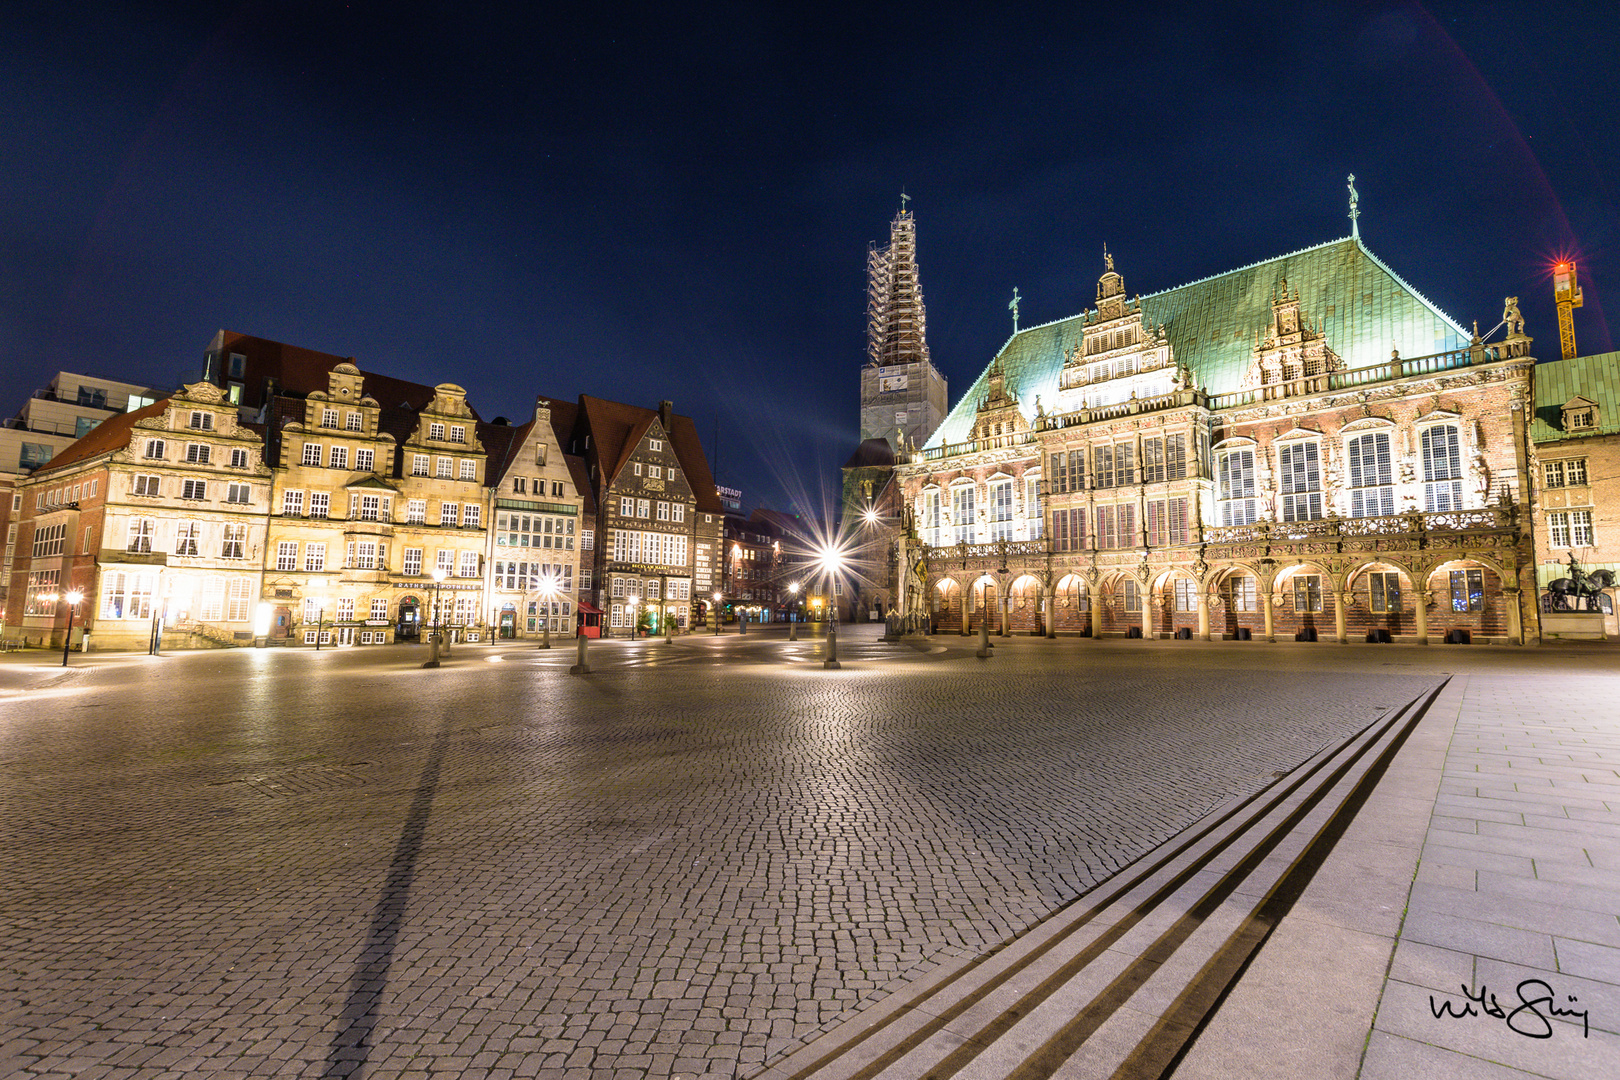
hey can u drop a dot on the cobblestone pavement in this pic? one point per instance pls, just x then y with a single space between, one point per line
267 862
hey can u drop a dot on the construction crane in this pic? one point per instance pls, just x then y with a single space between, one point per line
1568 296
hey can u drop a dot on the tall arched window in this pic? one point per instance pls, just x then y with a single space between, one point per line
1442 468
1235 471
1372 478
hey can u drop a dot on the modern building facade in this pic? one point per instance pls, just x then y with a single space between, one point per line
1304 447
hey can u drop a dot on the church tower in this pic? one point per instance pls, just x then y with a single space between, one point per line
902 393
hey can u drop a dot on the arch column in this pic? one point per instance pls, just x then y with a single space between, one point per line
1515 619
1145 593
1271 632
1096 615
1203 613
1051 615
1340 599
1422 617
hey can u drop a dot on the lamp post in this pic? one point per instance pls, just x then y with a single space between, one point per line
714 615
73 597
320 616
832 563
793 611
548 589
433 635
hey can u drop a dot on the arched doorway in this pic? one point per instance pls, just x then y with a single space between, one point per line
410 620
1073 615
946 608
1024 602
986 604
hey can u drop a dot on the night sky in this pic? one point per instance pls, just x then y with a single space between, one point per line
645 203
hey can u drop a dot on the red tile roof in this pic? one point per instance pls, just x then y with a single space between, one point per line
111 434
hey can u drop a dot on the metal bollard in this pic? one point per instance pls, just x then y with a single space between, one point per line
984 639
581 667
832 646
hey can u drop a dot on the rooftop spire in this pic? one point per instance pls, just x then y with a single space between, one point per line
896 325
1013 307
1355 229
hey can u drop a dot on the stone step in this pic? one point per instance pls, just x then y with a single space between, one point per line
1116 983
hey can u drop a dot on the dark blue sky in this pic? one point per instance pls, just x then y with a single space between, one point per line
643 203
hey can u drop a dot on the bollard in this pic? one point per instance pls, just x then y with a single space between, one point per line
793 628
832 646
433 652
580 666
984 639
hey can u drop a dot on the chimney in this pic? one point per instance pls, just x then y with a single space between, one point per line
666 413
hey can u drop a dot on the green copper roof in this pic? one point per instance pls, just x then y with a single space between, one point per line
1596 378
1360 305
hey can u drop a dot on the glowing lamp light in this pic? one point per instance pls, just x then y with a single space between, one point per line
74 597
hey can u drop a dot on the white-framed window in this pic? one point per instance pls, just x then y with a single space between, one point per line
41 584
287 555
238 599
449 513
1307 592
292 504
618 588
444 467
1442 468
470 515
312 454
1133 596
1383 591
233 545
677 511
369 506
314 557
413 562
49 540
419 464
1301 481
964 513
365 555
352 422
445 559
198 453
379 609
212 607
1235 473
663 511
469 469
194 489
1372 476
185 537
1569 528
339 458
655 444
655 472
238 493
930 517
1240 594
126 595
436 430
239 458
627 506
146 484
520 485
155 448
1186 595
1570 472
587 540
320 504
1032 506
458 433
1001 509
201 421
363 459
141 531
416 511
469 564
329 418
644 508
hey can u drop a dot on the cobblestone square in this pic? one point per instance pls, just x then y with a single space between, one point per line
285 863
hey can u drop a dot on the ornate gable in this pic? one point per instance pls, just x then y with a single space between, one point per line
998 412
1289 348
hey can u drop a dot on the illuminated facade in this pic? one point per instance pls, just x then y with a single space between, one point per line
1304 447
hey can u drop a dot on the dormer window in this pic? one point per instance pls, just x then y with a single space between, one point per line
655 444
202 421
436 431
329 418
1580 418
458 433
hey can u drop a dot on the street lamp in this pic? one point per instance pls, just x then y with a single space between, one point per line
793 611
320 616
73 598
714 615
832 563
548 589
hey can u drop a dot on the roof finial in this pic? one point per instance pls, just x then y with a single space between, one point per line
1108 260
1013 307
1355 229
904 198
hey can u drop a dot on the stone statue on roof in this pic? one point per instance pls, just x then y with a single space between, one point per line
1511 316
1108 260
